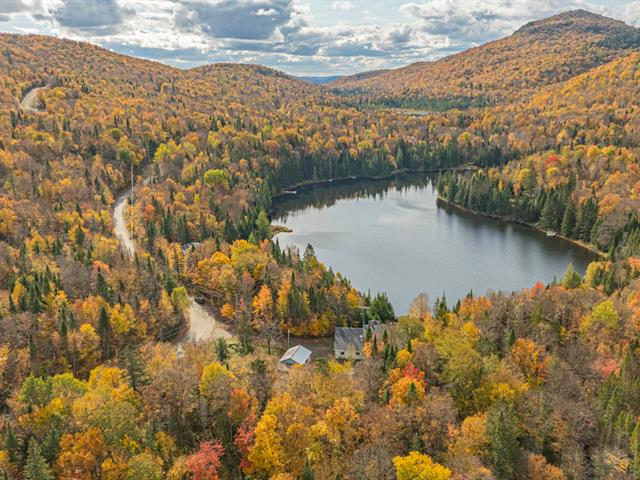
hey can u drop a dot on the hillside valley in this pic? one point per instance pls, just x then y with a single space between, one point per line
147 303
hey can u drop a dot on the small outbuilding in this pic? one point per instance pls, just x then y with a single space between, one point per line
297 355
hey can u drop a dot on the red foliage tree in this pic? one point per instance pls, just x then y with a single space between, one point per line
204 464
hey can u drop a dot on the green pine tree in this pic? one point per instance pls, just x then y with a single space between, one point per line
222 350
134 367
571 279
502 433
568 224
36 467
51 445
104 331
11 444
307 472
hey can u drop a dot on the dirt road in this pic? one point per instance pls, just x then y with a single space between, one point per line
29 102
202 324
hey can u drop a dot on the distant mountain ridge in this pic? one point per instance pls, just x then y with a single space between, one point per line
321 80
540 53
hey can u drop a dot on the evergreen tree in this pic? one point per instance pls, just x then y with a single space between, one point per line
381 308
104 331
36 467
571 278
309 253
262 226
568 224
307 472
51 445
550 214
502 433
400 155
102 287
168 281
412 394
133 365
588 214
221 349
11 443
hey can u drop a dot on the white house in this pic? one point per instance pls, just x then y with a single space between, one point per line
297 355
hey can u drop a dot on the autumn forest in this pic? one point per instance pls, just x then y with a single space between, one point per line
146 301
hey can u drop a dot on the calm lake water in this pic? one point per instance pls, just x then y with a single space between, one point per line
391 236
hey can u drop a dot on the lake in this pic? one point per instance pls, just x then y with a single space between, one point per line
391 236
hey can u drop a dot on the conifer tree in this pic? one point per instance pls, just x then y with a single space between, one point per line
307 472
36 467
104 331
502 433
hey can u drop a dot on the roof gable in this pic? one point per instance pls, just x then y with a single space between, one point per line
297 354
346 337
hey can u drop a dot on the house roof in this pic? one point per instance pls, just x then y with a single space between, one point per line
346 337
297 354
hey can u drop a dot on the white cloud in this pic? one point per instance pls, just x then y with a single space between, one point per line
266 13
631 13
97 17
284 33
474 21
243 19
342 5
12 6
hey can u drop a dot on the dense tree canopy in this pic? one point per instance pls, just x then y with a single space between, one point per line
540 384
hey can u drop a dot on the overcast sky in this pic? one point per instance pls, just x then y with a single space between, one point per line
301 37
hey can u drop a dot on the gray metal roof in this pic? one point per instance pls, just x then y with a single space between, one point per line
297 354
346 337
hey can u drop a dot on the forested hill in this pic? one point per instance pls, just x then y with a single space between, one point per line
601 106
93 77
539 384
540 53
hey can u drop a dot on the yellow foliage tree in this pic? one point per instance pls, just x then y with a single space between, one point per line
417 466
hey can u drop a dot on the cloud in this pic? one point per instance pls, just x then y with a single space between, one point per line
12 6
244 19
471 21
353 49
342 5
95 17
176 56
631 13
400 35
284 33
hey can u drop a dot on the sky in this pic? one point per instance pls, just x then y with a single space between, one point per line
300 37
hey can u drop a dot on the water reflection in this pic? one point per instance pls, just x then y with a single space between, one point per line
390 235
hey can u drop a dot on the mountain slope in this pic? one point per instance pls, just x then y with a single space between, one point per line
540 53
599 106
95 82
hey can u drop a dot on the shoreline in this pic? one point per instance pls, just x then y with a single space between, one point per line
309 184
577 243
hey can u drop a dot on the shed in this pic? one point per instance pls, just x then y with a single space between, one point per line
297 355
